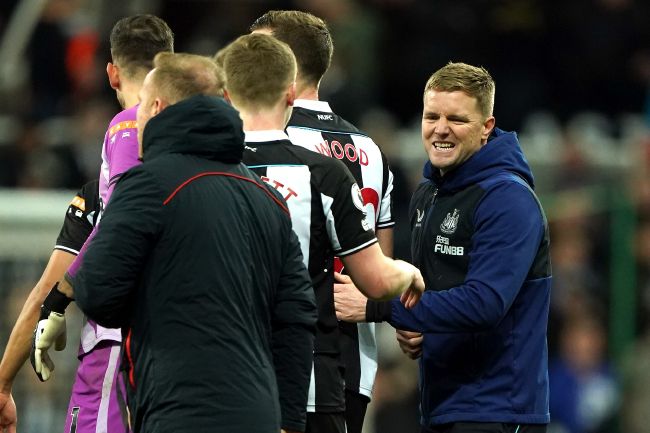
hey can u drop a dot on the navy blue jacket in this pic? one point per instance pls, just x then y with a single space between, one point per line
480 238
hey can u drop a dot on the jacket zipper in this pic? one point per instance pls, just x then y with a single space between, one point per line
419 242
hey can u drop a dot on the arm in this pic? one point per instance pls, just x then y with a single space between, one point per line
350 304
505 243
385 239
380 277
77 225
20 340
294 321
117 254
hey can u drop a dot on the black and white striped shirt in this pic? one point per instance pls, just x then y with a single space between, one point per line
328 216
314 126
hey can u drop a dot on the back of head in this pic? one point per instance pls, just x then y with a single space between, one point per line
471 80
259 69
180 76
135 41
309 39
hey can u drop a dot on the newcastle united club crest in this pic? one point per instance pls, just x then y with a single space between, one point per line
450 222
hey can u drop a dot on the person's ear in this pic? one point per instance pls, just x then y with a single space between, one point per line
488 126
291 94
113 72
159 105
226 96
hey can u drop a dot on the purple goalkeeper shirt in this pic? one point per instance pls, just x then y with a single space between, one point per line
119 153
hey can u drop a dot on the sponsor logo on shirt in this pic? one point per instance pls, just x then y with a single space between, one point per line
324 117
442 246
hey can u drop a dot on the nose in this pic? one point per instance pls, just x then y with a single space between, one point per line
441 126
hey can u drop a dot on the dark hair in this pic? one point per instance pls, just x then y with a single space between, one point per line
135 41
307 36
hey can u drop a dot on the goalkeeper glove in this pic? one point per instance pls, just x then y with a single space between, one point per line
50 330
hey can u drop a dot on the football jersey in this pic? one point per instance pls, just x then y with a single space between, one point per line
119 153
80 218
328 216
314 126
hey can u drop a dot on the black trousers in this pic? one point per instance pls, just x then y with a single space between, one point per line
318 422
355 410
485 427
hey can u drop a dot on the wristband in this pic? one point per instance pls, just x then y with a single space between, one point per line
378 311
56 301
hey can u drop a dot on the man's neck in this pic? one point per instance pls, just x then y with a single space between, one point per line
307 92
129 92
263 120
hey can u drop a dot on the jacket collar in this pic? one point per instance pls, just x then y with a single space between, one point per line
502 153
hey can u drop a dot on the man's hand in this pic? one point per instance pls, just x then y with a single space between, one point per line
412 295
349 302
410 343
50 330
8 416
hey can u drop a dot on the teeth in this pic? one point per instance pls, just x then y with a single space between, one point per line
443 145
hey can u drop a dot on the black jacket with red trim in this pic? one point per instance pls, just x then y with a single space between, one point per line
196 260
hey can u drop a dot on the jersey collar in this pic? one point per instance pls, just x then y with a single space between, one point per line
310 104
268 135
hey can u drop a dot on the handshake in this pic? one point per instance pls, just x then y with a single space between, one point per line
50 331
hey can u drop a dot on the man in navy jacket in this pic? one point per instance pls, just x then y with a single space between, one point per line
480 238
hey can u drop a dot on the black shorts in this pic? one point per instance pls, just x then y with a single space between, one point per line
485 427
355 410
318 422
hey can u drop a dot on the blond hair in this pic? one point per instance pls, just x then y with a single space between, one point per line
258 68
471 80
179 76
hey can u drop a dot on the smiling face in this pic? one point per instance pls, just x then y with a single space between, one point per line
453 128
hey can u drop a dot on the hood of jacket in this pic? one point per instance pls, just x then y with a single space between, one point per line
502 153
204 126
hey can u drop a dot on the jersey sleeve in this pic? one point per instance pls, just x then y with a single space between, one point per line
80 218
385 218
347 224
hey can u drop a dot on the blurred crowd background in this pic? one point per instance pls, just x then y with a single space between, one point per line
573 78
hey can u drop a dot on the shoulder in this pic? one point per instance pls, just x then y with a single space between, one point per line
321 121
125 119
509 196
324 164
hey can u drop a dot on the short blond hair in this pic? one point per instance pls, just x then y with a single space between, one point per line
258 68
471 80
179 76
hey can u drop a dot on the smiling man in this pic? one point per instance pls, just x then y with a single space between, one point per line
480 237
